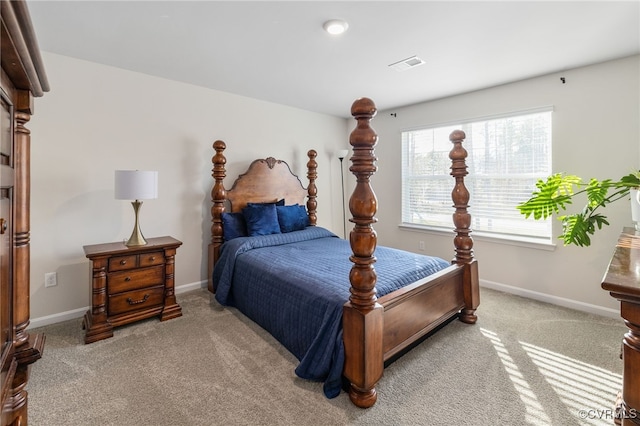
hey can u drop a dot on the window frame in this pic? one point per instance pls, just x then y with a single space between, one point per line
543 237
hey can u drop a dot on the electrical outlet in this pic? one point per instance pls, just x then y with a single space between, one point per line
421 245
50 279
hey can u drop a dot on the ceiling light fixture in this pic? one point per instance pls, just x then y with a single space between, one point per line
335 26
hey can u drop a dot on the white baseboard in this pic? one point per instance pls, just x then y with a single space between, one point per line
56 318
543 297
554 300
191 286
79 313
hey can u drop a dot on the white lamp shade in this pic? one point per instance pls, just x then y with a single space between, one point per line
136 185
342 153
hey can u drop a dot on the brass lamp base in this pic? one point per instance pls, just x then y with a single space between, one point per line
136 238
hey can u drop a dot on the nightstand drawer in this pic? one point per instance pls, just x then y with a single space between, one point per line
121 263
131 280
150 259
136 300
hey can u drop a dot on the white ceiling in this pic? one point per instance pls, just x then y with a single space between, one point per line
278 51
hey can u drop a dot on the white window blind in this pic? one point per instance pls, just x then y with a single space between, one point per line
506 156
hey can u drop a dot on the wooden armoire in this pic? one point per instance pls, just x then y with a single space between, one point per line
22 79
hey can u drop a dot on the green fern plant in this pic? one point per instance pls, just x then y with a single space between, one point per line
554 194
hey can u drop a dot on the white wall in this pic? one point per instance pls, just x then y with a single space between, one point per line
97 119
596 133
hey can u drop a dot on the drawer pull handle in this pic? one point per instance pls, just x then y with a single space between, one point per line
127 279
152 258
123 262
135 302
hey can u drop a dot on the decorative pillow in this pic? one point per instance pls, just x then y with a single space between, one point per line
261 219
292 218
233 225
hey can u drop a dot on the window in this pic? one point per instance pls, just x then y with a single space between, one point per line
506 156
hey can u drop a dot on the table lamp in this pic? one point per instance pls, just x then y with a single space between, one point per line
136 185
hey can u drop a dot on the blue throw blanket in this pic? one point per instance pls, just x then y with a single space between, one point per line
294 285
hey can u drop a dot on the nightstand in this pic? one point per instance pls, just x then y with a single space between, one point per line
130 284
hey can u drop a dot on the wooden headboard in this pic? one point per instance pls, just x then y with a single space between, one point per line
266 180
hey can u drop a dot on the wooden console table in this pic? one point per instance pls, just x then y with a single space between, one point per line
622 280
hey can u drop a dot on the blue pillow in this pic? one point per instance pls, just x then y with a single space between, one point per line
292 218
233 226
261 219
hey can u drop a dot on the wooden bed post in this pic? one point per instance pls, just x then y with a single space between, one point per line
363 316
312 190
218 196
462 221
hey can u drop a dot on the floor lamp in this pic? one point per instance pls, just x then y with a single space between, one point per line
341 155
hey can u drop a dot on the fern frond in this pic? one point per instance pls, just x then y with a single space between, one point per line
597 192
630 181
575 230
551 196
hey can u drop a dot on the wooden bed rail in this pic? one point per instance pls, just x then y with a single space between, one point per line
271 180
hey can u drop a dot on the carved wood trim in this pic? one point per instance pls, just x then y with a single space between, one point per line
266 180
219 197
21 226
363 316
312 190
23 62
363 205
462 221
460 196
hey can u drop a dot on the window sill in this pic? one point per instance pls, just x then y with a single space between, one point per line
534 243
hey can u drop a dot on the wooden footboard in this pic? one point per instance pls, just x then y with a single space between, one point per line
413 311
377 329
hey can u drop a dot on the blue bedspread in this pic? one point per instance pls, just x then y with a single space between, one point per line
294 285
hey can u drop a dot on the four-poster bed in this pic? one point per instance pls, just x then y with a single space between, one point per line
381 310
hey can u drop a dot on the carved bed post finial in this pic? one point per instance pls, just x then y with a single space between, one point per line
218 196
462 221
312 190
460 196
363 316
363 206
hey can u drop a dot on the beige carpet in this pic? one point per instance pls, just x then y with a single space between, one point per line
524 362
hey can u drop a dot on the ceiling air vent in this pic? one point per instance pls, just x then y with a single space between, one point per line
406 64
